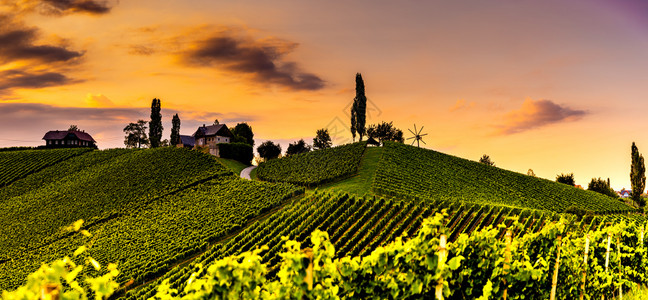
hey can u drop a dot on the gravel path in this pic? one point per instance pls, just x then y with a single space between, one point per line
246 172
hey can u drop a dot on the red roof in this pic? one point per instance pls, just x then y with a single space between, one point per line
61 134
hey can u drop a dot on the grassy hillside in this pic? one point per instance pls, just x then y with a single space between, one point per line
18 164
147 208
426 174
313 168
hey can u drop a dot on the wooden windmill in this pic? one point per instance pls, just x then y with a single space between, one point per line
418 137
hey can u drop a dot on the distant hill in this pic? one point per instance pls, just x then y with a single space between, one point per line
412 172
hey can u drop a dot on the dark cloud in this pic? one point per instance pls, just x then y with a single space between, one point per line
534 114
19 42
60 7
264 60
21 79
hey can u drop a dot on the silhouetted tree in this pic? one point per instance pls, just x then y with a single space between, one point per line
359 109
485 159
566 179
73 128
531 173
243 133
136 134
175 130
216 122
269 150
385 132
602 186
298 147
637 175
155 126
322 139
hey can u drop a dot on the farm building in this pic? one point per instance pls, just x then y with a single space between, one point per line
68 139
212 135
186 141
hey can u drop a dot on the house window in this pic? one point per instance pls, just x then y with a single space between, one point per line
219 139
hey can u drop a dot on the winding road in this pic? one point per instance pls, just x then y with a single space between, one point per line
245 173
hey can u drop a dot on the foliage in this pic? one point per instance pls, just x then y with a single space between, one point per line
155 125
322 139
269 150
298 147
531 173
136 134
73 128
478 266
416 173
359 109
18 164
244 131
385 132
485 159
242 152
566 179
637 175
165 223
314 168
602 186
175 130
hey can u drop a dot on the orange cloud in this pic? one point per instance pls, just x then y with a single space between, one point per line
462 105
535 114
98 100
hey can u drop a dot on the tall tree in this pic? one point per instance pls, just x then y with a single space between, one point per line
353 121
175 130
360 104
136 134
244 131
269 150
637 175
155 126
322 139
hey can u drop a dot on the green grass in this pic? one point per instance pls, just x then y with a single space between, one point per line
360 183
406 171
234 165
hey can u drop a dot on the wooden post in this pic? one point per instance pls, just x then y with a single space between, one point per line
607 257
507 261
582 295
442 257
554 282
620 267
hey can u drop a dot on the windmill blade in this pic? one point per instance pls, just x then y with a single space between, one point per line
423 141
421 129
411 137
423 134
411 131
412 144
415 127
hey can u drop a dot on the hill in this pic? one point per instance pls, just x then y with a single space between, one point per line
412 172
149 209
314 168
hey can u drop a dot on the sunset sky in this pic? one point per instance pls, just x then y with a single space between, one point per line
553 86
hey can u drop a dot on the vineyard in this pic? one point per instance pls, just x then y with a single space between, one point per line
313 168
359 225
18 164
551 263
173 216
412 172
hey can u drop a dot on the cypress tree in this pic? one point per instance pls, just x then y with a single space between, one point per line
155 126
637 175
175 130
360 103
353 121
